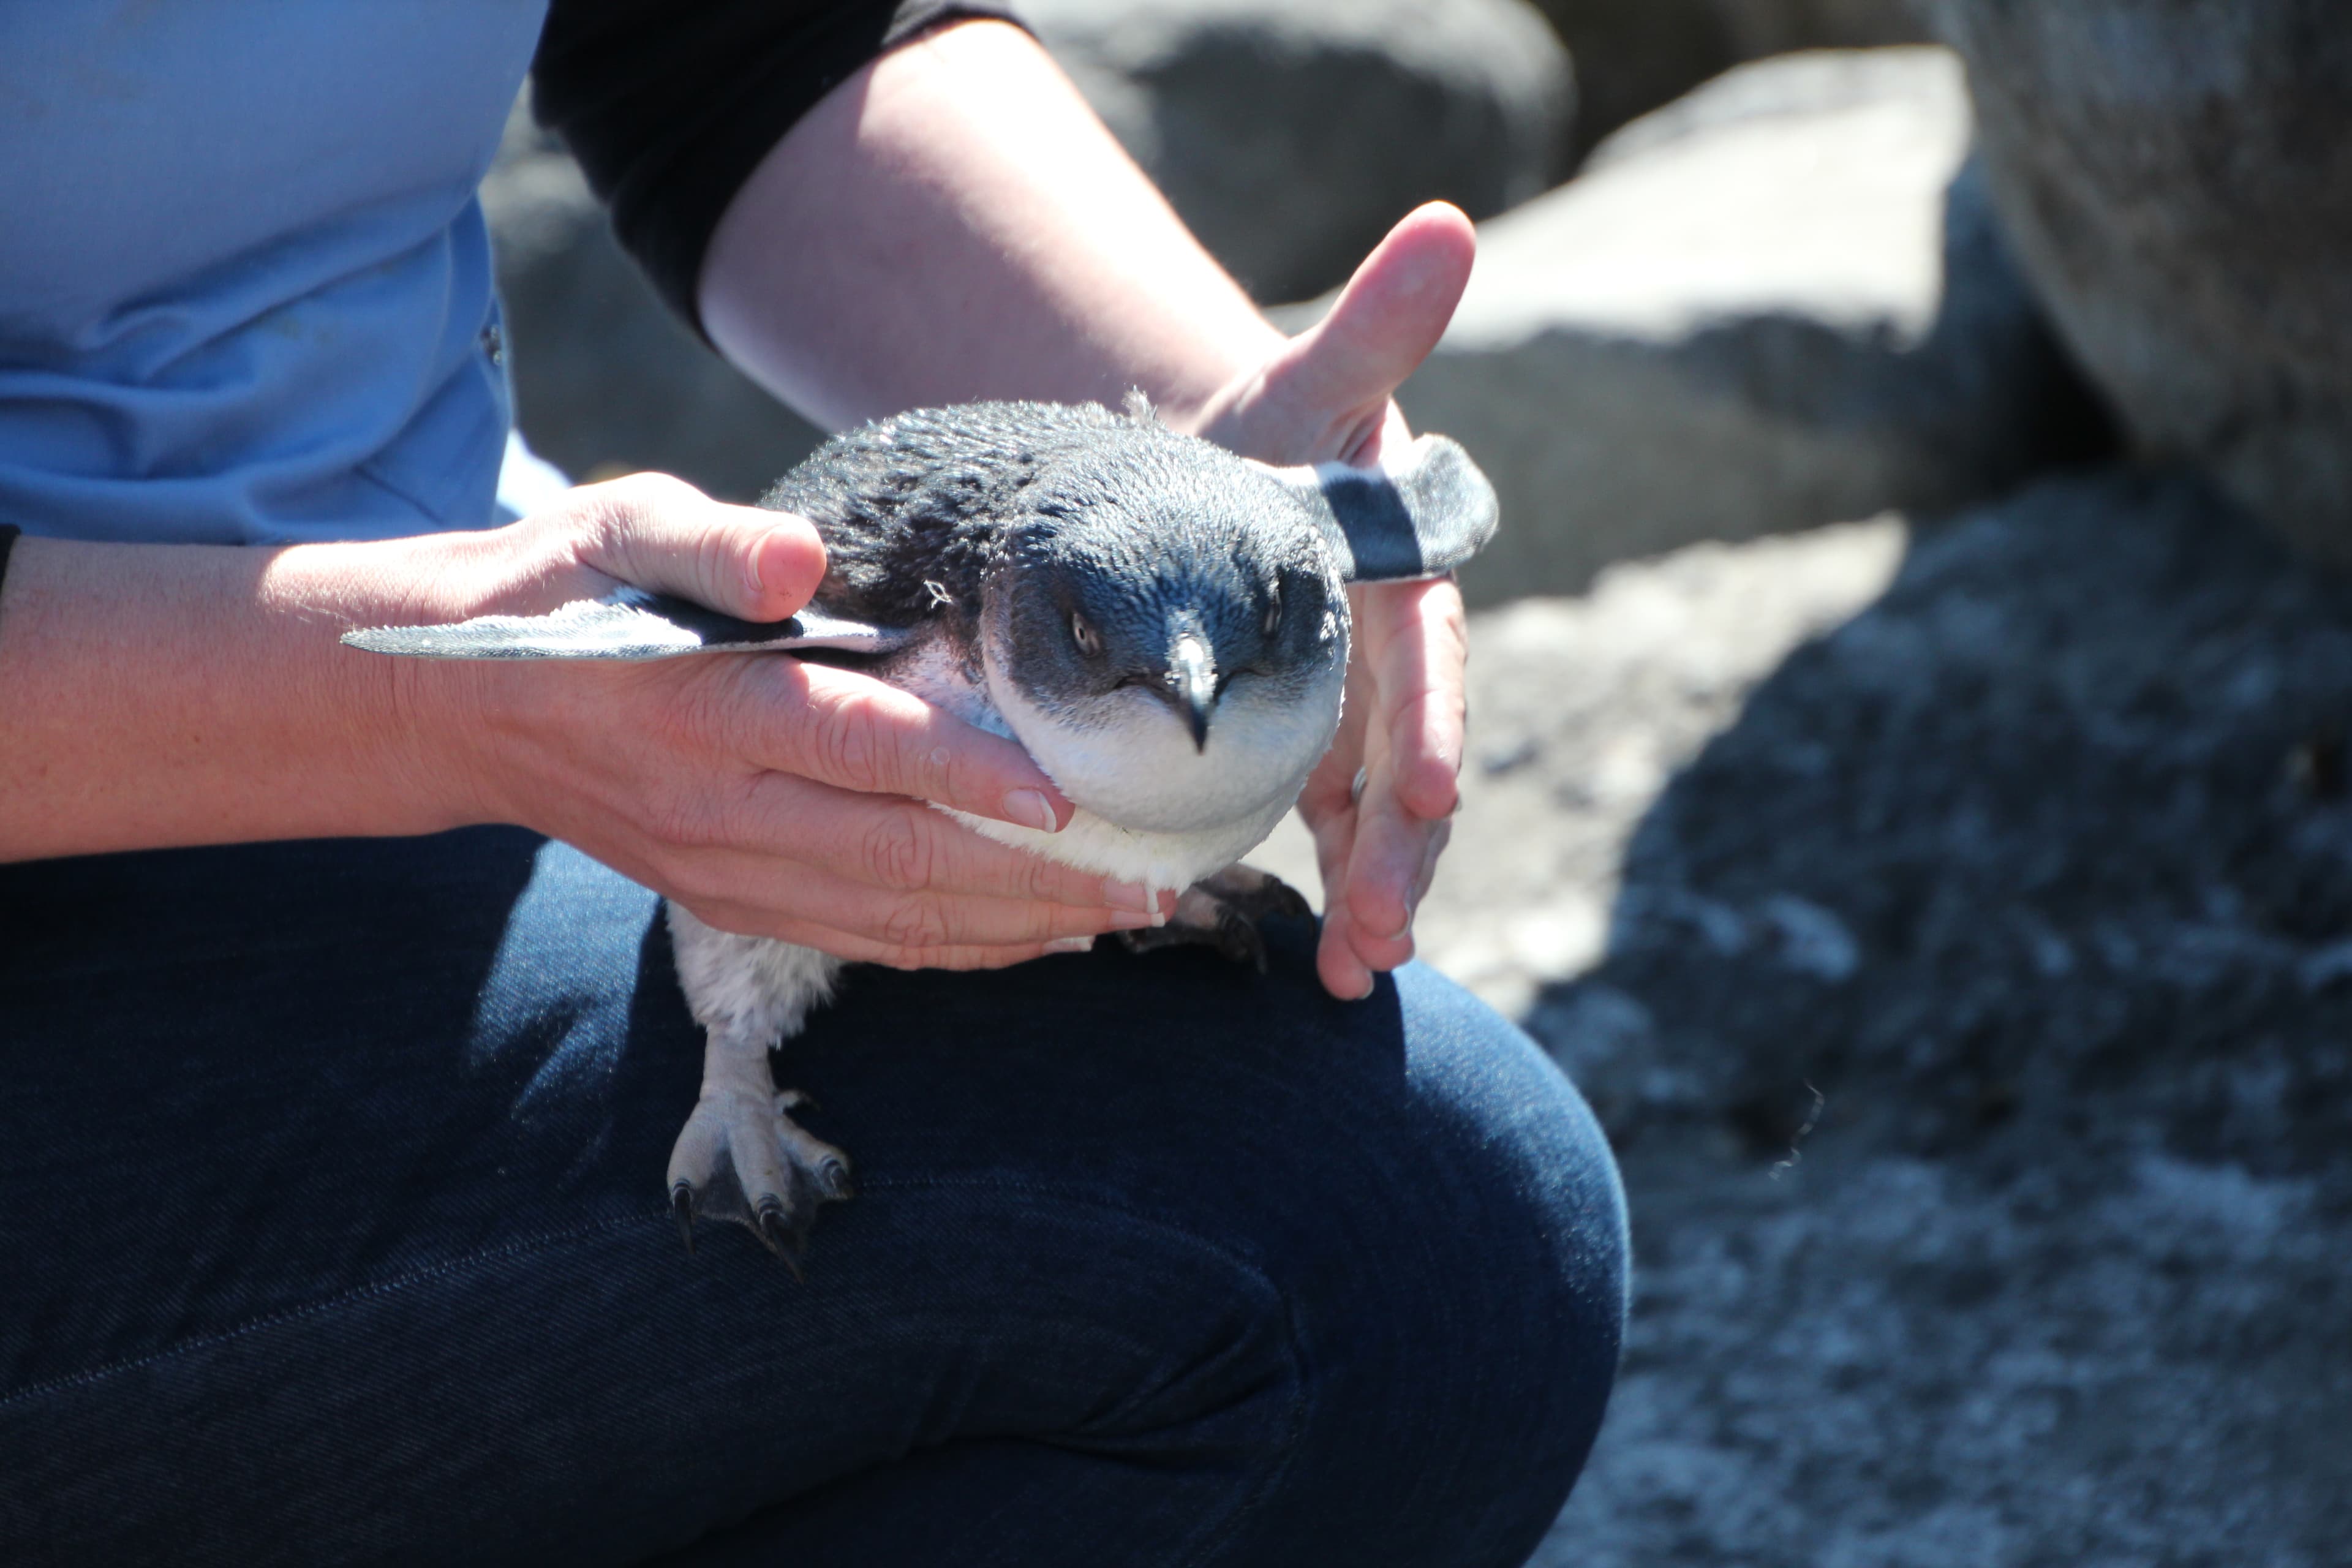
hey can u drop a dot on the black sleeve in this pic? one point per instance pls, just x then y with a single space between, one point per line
669 107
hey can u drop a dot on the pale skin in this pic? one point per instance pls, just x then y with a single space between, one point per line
952 223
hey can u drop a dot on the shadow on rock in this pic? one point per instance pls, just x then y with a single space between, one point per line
2039 873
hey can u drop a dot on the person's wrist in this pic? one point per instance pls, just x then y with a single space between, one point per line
418 725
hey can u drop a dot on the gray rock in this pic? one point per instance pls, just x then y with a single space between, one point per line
606 379
1777 303
1290 135
1965 992
1632 55
2177 177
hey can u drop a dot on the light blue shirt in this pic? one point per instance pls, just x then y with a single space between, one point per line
246 291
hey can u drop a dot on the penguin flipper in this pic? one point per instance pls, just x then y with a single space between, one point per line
1419 515
630 624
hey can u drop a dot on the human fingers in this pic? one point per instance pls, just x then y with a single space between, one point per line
1343 975
1385 322
899 846
857 948
1327 806
1333 806
1377 804
758 902
658 532
1348 956
1324 396
845 729
1415 641
1385 855
1413 650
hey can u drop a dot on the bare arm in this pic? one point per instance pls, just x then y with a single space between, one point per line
174 694
954 223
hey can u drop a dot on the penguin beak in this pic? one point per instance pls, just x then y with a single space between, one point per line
1193 682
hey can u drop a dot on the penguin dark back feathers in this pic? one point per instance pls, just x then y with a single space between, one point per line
932 500
1114 552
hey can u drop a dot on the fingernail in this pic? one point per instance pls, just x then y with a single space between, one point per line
1132 896
1030 808
1132 920
1071 944
759 549
1370 983
1411 908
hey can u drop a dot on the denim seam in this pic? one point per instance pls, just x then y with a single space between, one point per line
1231 1529
1223 1536
353 1297
1294 1335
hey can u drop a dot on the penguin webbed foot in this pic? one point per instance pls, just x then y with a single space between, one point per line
741 1157
1222 911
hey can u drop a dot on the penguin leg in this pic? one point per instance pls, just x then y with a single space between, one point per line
740 1155
1222 911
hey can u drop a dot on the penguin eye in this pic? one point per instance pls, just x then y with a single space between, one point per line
1089 640
1273 620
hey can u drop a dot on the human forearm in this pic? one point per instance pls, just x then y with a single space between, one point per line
161 695
954 223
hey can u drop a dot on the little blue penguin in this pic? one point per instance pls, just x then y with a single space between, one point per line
1162 624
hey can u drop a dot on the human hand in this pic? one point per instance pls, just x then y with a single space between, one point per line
1381 802
769 796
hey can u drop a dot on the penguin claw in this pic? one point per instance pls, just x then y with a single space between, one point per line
1288 901
1222 911
1237 938
741 1158
832 1181
777 1232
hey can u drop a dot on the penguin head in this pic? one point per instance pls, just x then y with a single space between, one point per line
1167 632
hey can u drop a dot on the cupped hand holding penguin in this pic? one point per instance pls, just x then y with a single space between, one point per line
776 797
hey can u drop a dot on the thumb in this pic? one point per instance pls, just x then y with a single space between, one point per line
1324 394
655 532
1387 318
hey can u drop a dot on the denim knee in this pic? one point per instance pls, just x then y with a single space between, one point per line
1443 1219
1372 1255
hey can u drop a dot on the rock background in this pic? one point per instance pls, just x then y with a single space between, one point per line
2178 174
2040 869
1780 300
1289 137
1632 55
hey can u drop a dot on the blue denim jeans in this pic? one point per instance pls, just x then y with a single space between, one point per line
333 1229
